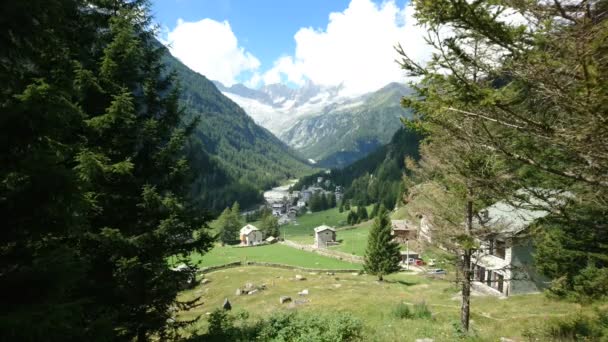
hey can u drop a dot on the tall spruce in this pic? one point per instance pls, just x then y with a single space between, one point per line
136 179
229 224
270 226
382 254
41 268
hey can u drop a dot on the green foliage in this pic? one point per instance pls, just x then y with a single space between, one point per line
377 178
576 327
229 223
270 226
382 255
402 311
375 210
517 106
419 311
352 218
95 178
361 213
285 326
572 251
319 201
237 158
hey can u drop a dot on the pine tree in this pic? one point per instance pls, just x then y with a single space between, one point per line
382 255
341 207
270 226
229 225
347 205
362 213
331 201
374 210
137 179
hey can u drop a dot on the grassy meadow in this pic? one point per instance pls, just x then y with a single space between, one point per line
275 253
373 302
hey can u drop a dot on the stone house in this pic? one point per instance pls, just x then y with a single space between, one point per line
403 230
324 236
250 235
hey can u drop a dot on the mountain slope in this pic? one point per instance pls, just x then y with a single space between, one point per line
240 158
349 131
322 125
376 178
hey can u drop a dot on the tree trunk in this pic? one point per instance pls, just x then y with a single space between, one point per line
380 278
466 291
466 269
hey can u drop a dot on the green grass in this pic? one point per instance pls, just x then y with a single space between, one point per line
353 241
302 230
270 253
373 302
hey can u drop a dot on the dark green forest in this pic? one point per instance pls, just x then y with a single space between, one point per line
377 178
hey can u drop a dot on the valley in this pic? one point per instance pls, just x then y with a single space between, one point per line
290 171
325 127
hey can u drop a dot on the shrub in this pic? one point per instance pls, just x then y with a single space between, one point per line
402 311
577 327
282 327
420 311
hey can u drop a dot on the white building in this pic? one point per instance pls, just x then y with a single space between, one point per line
250 235
324 236
504 264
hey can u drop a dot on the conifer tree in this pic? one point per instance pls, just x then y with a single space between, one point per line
362 213
382 254
229 225
136 178
270 226
374 210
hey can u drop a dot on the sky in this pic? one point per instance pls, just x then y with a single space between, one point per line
337 42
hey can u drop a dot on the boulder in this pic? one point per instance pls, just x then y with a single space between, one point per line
205 281
424 339
249 287
300 277
303 292
253 291
238 292
284 299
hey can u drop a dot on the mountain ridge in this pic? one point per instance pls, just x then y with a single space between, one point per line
319 123
239 157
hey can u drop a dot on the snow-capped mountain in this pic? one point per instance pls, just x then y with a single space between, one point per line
277 107
319 122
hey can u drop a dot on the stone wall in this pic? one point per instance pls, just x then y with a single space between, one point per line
275 265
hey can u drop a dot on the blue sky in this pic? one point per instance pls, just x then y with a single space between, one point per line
269 41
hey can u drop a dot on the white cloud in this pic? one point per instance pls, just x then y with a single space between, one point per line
211 48
356 49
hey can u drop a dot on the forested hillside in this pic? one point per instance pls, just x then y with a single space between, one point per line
239 158
376 178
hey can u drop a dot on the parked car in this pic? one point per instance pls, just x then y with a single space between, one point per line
437 271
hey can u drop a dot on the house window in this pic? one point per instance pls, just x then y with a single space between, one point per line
481 274
500 249
500 282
